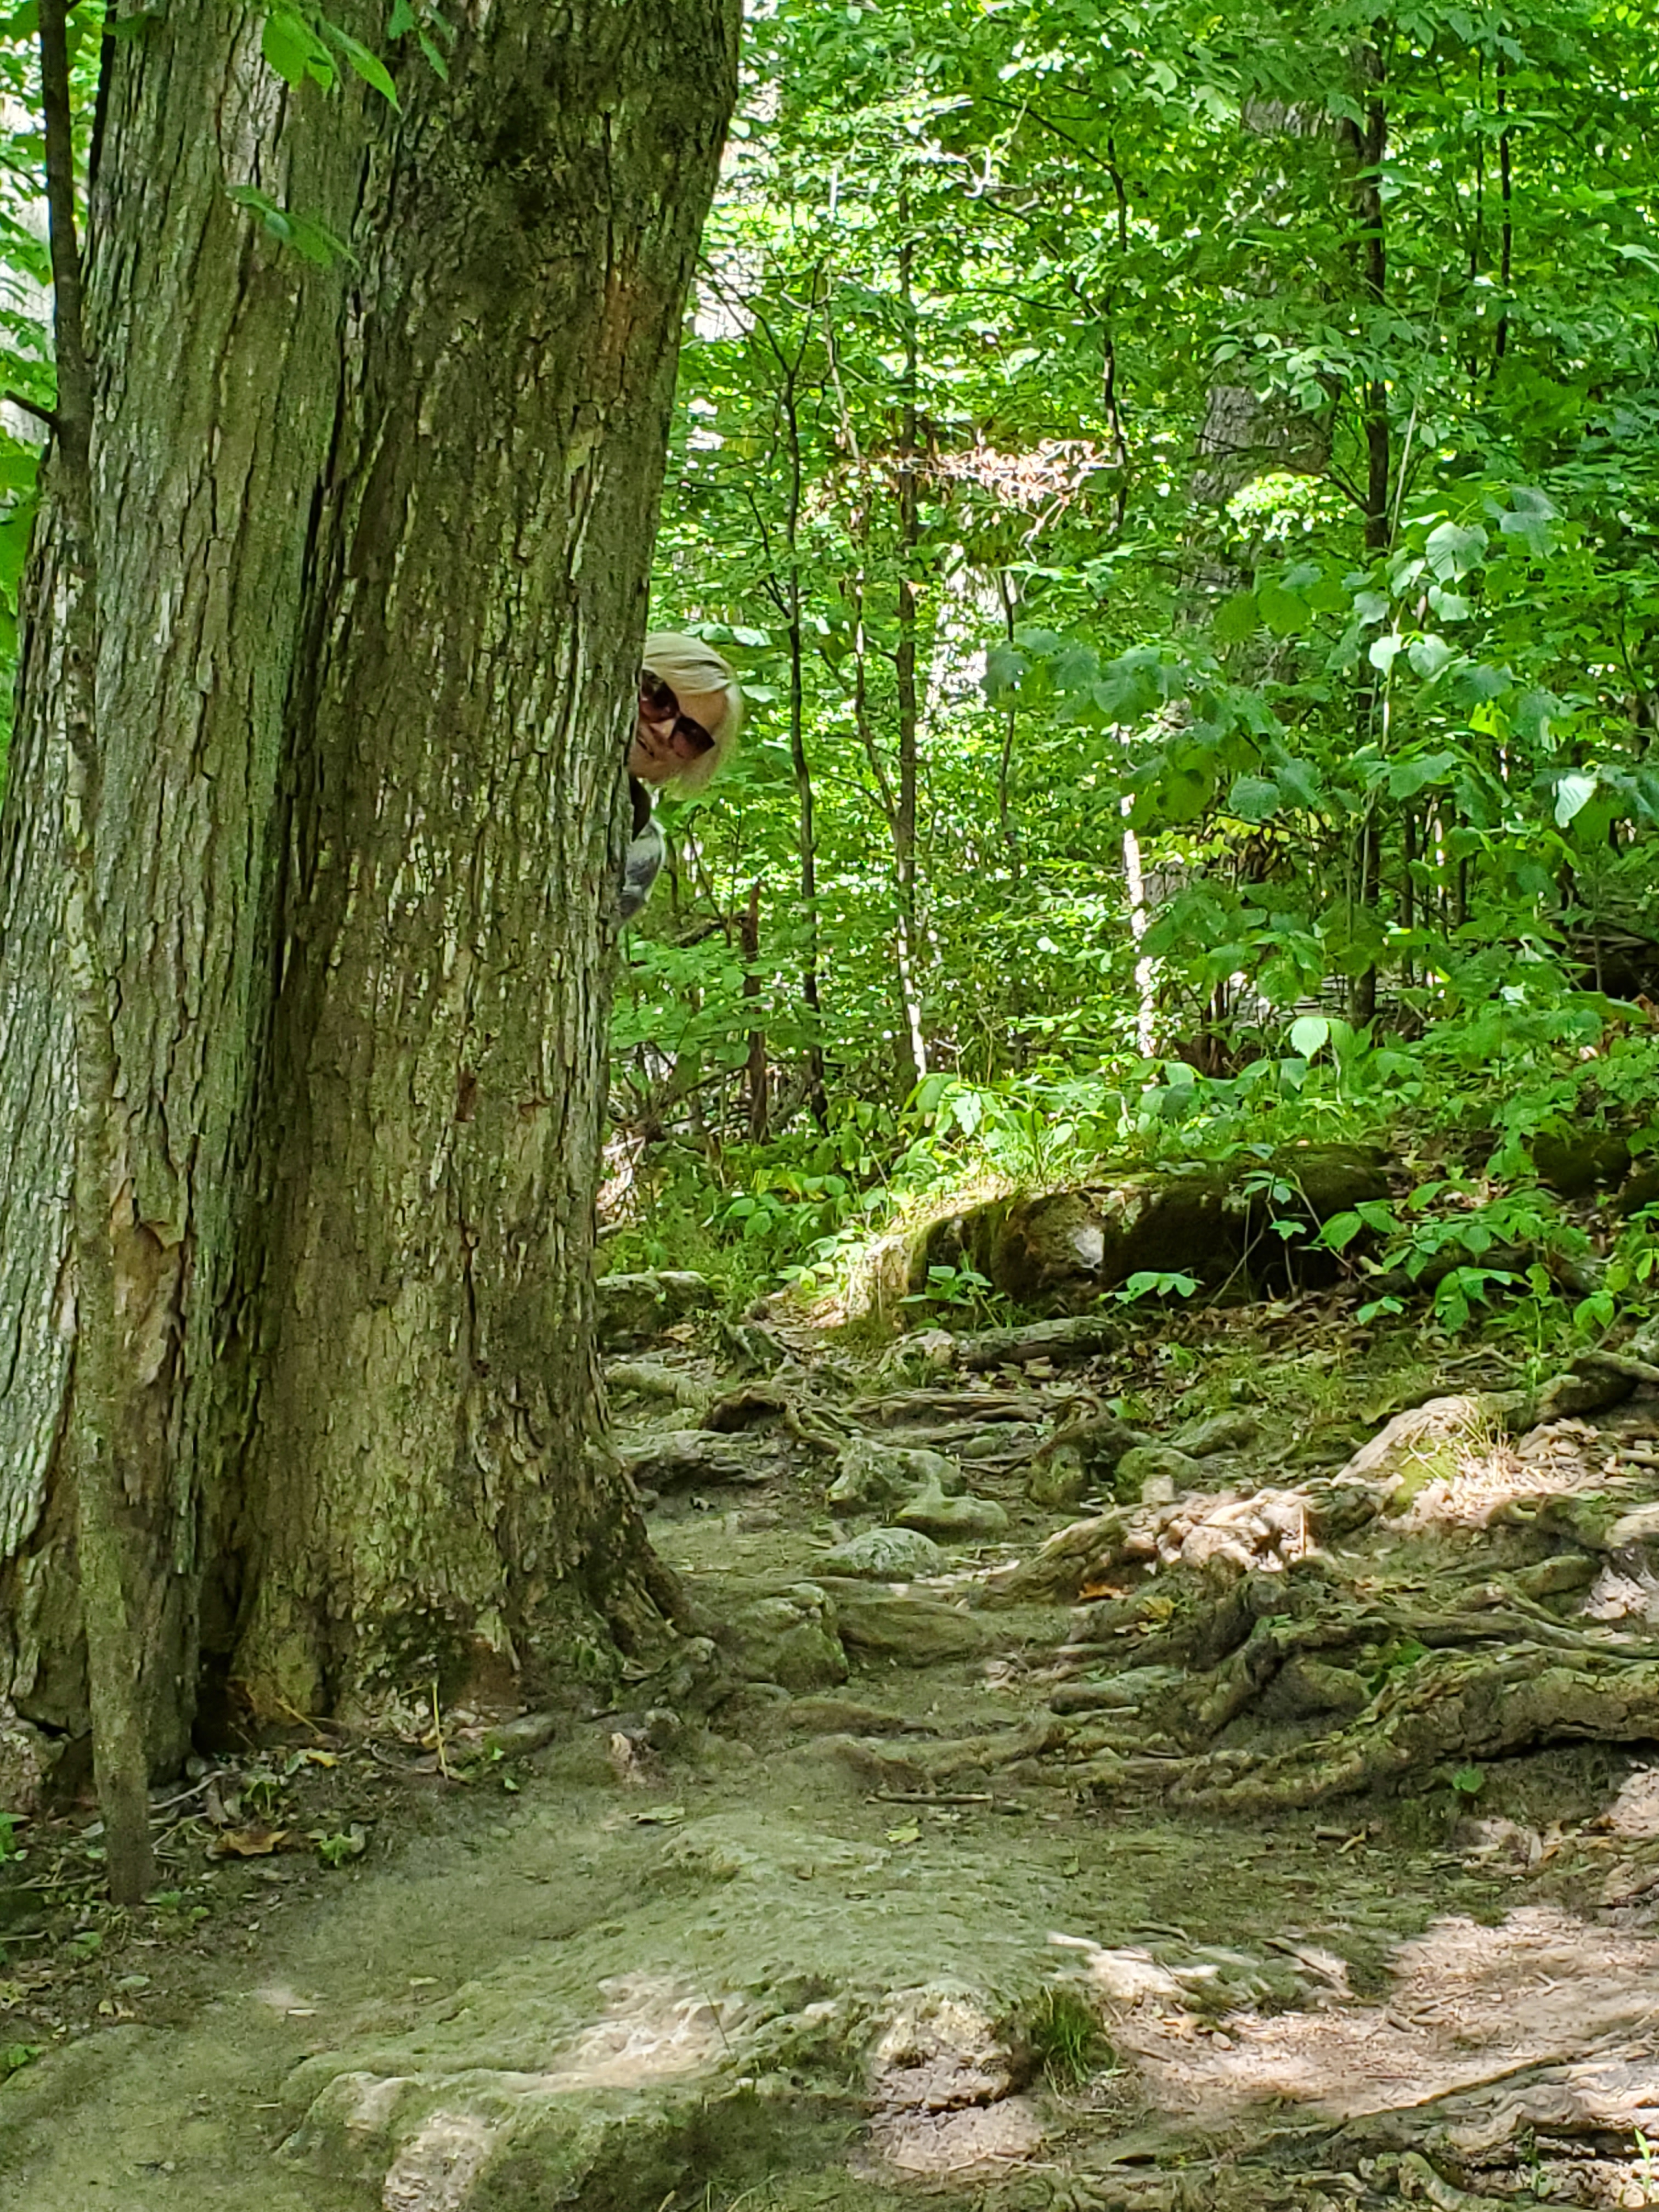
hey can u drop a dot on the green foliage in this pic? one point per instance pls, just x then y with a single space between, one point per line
960 1290
1065 2038
313 241
339 1847
1260 795
304 45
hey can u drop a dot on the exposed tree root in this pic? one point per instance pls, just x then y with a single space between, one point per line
1449 1706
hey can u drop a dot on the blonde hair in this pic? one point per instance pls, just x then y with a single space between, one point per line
699 678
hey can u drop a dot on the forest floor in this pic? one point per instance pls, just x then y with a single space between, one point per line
1202 1773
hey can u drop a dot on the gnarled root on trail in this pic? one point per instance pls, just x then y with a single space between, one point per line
1449 1705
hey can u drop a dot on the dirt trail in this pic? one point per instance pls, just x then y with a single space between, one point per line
909 1915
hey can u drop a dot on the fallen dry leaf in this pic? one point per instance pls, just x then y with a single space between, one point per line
254 1842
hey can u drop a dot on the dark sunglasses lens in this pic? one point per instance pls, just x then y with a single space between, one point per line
656 697
692 738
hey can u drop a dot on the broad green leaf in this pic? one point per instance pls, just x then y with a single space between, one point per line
1004 667
1310 1035
1235 619
1573 793
1285 613
1254 798
293 48
1454 550
1406 778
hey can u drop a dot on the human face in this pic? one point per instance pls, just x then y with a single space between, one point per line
665 740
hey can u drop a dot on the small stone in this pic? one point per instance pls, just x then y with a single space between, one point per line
870 1476
1147 1463
886 1555
1221 1432
529 1732
1058 1481
917 1631
791 1638
1000 1437
966 1518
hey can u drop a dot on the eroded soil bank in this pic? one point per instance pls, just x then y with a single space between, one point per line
1102 1782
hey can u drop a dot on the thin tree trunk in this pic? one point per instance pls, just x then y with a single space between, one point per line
1367 143
757 1082
1005 756
1134 884
98 1428
1506 234
913 1043
817 1096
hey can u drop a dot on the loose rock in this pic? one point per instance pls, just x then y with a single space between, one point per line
790 1638
633 1309
886 1555
1222 1432
869 1476
1148 1463
915 1631
966 1518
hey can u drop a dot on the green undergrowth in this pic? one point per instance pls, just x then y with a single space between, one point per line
1067 2042
1475 1121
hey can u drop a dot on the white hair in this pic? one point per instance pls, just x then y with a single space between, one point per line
707 690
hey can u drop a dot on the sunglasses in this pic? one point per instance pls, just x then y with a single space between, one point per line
658 703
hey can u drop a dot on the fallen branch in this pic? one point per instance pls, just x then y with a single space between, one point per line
1080 1339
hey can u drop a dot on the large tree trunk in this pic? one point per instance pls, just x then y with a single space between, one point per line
372 549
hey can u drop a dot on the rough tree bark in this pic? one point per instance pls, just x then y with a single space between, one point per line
372 544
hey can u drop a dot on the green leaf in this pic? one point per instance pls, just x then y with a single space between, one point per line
1004 667
1573 793
402 21
1285 613
311 241
368 64
1254 798
1310 1034
1235 619
1408 778
1474 684
1299 782
293 48
1454 550
1429 654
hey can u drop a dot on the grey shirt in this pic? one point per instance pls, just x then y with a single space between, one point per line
642 863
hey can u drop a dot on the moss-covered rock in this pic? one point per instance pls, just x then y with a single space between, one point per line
634 1309
1247 1225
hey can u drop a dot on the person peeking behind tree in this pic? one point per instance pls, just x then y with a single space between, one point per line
690 714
